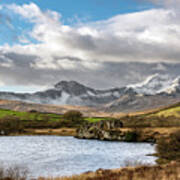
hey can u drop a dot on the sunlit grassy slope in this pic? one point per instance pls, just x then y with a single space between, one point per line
174 111
170 111
165 117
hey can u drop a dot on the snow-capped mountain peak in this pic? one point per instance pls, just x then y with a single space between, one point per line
156 84
175 86
74 93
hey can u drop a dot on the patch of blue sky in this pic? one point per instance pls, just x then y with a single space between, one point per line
19 89
93 10
13 28
72 11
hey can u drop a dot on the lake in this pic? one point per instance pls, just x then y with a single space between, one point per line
59 156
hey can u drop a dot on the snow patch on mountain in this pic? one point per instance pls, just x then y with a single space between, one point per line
64 97
74 93
156 84
175 86
90 93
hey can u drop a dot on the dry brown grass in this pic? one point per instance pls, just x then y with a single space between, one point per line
48 131
151 133
170 171
13 173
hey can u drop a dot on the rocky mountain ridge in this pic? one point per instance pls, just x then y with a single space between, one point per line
153 92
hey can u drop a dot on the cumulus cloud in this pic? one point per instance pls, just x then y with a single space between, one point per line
143 36
98 52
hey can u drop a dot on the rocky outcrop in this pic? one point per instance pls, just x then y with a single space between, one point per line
113 130
103 130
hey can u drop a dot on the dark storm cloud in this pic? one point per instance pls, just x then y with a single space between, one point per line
129 48
71 58
109 74
20 60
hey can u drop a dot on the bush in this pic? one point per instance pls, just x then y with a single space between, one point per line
33 111
131 136
73 115
10 125
169 149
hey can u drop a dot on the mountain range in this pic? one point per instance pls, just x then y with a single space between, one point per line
157 90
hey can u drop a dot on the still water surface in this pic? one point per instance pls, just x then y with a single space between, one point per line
59 156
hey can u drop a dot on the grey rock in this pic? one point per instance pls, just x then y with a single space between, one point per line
102 130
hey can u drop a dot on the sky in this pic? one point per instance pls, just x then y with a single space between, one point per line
99 43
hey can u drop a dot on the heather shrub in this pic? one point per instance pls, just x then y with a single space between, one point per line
169 149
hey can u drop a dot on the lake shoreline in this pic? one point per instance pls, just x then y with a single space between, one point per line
51 132
147 134
139 172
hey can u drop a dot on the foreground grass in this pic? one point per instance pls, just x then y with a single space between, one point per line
169 171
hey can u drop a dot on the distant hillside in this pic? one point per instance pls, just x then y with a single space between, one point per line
27 107
173 110
163 117
162 111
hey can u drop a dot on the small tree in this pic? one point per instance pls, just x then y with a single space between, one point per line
73 115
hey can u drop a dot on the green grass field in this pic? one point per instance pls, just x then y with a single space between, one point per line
29 115
95 119
37 116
